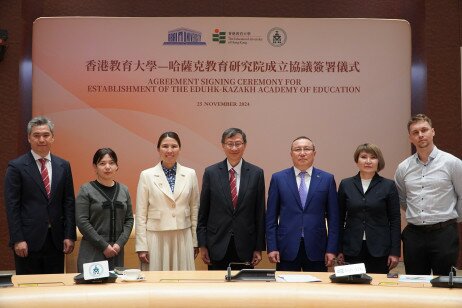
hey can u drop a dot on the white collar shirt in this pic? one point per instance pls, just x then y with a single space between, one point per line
237 173
47 164
430 192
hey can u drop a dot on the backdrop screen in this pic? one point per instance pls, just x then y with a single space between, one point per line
121 82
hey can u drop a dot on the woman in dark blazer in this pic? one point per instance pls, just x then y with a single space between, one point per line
369 215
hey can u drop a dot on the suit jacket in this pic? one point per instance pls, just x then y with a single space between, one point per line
285 216
375 212
29 211
158 209
218 219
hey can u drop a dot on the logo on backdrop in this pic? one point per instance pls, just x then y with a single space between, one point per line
184 36
277 37
219 36
235 37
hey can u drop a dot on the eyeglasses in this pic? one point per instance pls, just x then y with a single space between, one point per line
236 144
300 150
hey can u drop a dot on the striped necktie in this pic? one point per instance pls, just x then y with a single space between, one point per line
232 186
45 177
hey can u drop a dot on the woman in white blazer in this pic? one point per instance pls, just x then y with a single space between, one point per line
167 203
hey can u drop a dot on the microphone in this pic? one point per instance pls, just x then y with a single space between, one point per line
228 276
450 281
452 272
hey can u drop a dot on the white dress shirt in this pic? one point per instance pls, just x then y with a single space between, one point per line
47 164
430 192
237 174
309 171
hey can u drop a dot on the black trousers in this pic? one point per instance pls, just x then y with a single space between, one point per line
301 262
430 249
376 265
49 260
230 256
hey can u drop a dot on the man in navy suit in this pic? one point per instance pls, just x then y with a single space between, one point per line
300 200
40 204
231 223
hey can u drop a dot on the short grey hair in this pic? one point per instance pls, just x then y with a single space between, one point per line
231 132
38 121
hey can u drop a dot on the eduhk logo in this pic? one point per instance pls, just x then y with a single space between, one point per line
219 36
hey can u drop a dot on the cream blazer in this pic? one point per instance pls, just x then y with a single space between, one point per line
158 209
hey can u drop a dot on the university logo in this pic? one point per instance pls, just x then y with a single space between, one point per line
235 37
219 36
277 37
184 36
96 270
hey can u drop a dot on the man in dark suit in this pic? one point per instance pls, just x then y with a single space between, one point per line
40 204
231 223
300 199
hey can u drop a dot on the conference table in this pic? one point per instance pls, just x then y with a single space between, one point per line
210 289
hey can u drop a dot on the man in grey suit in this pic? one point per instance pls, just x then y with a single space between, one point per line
40 204
231 223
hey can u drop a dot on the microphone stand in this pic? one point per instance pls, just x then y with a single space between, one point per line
450 281
452 272
228 276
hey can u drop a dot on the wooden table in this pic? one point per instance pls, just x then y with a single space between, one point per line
209 289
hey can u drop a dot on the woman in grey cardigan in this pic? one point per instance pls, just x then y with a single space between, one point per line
103 214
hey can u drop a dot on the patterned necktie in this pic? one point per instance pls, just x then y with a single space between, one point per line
302 188
232 186
45 177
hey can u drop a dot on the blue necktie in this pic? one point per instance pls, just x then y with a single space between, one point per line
302 188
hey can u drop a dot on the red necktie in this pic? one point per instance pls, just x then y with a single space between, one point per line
232 186
45 177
